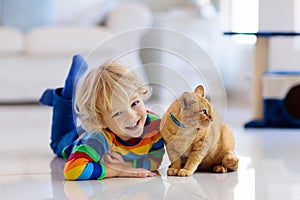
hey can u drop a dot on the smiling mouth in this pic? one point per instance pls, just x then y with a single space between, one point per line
133 126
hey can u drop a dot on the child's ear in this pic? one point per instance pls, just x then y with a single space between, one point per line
101 122
200 90
103 127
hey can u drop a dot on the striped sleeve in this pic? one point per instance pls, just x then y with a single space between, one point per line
84 161
156 153
154 157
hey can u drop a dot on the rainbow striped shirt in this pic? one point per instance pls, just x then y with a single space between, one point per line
84 155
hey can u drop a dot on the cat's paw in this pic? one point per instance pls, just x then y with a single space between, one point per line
230 161
184 172
172 171
220 169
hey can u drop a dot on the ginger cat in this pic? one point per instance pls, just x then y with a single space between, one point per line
196 137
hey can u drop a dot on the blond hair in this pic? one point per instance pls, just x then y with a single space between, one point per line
95 91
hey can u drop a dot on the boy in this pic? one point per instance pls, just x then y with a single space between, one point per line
117 136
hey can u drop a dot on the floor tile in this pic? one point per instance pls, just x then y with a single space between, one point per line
269 166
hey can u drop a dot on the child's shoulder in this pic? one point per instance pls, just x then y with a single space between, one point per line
152 116
87 138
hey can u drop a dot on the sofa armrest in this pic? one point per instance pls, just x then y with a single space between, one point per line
128 16
65 40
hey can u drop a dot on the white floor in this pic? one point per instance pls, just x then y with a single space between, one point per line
269 165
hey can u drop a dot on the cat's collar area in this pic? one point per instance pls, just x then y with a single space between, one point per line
177 122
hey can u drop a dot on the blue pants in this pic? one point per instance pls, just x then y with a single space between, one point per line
63 131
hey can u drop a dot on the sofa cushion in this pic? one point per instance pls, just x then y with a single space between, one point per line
128 16
11 40
57 40
78 12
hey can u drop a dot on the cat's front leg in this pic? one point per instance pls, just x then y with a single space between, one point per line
191 165
175 162
174 168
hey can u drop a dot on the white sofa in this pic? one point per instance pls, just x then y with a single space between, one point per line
40 58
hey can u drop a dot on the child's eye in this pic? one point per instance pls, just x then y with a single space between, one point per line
116 114
135 103
203 112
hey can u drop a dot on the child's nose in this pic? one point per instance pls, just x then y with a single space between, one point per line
132 114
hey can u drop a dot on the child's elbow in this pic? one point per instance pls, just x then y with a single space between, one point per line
69 178
72 173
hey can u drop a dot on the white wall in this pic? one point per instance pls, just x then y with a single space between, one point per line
272 15
281 15
276 15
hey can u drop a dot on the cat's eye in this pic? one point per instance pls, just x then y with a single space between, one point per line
203 112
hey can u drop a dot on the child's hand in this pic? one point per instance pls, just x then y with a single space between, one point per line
136 173
121 170
114 158
116 166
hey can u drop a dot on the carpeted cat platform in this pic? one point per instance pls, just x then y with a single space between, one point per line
281 90
281 101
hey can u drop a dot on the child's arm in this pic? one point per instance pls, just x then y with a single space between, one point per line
114 170
154 158
90 170
150 161
84 164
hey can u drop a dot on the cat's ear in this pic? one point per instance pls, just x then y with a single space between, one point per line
200 90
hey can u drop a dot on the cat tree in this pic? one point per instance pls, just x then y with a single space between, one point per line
276 76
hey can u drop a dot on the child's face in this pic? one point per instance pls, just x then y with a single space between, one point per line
127 118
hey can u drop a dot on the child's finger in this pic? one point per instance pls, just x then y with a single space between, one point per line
105 159
144 174
110 159
115 155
